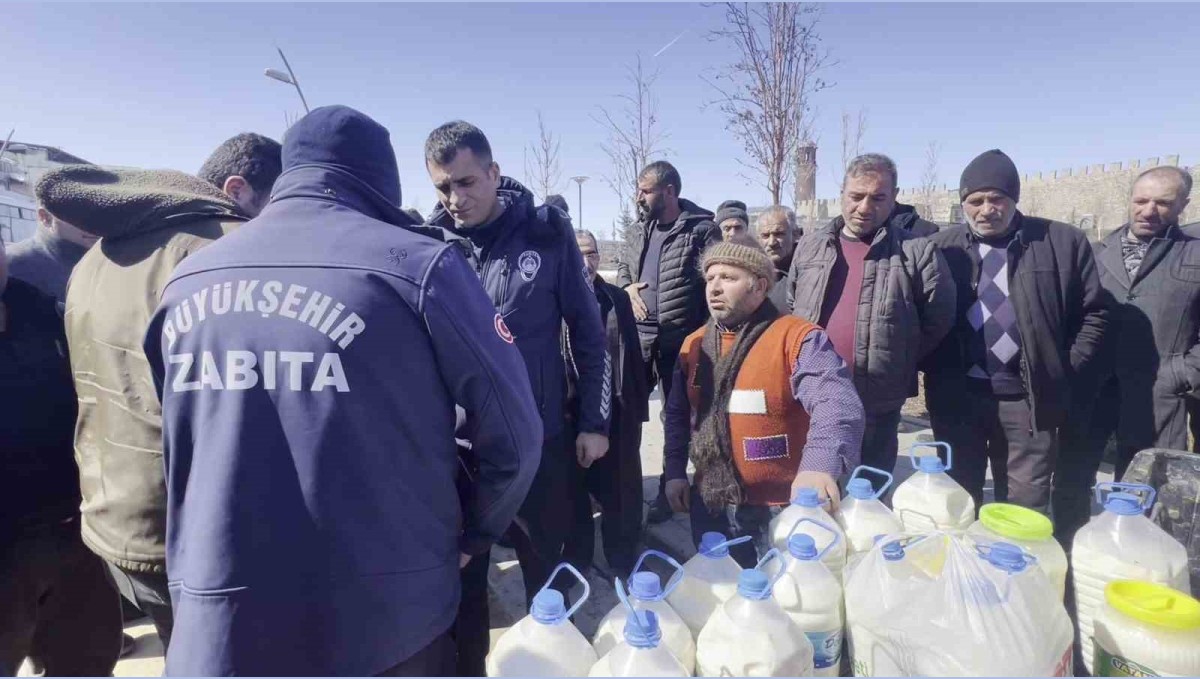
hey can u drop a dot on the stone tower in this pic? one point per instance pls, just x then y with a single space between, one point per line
806 172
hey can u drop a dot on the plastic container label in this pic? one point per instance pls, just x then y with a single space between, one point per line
827 648
1109 665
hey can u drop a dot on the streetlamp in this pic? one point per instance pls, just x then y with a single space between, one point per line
580 180
288 78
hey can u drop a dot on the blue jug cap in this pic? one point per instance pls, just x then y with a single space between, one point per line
893 551
1006 557
643 633
807 497
860 489
710 545
548 607
803 547
931 464
1124 504
645 585
753 584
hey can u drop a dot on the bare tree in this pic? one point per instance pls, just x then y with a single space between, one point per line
634 136
929 180
634 133
854 128
765 93
547 173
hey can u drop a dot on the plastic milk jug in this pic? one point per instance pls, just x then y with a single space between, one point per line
930 500
646 593
751 636
641 651
862 516
870 655
1013 568
812 597
1145 630
709 578
807 505
1120 543
544 643
1029 530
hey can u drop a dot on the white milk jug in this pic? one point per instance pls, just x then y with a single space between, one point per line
646 593
641 652
812 597
709 578
1147 630
1022 589
751 636
930 500
862 516
871 655
1122 544
807 505
1028 529
544 643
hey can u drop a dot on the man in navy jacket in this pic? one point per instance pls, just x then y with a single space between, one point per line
530 266
309 367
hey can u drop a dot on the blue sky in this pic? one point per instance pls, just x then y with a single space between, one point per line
1054 85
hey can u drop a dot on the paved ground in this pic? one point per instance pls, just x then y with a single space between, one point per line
506 589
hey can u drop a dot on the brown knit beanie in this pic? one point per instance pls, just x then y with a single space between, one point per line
743 252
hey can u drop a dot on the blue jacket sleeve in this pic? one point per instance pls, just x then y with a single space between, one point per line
484 372
587 340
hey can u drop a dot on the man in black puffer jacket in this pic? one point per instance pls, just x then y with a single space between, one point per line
665 285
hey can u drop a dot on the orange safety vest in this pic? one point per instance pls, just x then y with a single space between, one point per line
768 428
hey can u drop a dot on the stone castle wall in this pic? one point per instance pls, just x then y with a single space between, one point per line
1095 198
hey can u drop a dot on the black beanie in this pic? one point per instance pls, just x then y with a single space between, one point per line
731 213
731 203
991 170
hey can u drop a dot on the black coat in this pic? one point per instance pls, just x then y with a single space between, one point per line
1155 328
1062 314
905 217
681 305
628 380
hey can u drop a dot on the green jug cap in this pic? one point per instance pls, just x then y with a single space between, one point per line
1018 523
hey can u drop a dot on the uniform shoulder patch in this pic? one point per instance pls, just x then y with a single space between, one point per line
502 329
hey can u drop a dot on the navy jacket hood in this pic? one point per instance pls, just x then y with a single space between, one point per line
343 141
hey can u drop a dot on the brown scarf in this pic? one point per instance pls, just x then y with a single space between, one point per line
712 448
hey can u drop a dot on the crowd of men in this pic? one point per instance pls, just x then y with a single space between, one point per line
287 419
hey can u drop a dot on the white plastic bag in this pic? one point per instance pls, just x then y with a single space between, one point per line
935 606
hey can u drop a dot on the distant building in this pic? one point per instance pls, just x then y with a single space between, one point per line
21 166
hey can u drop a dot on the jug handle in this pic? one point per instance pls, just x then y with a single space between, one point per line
862 467
1137 488
672 583
624 599
932 444
829 546
774 553
587 589
735 541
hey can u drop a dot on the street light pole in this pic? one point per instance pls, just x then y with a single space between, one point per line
580 180
289 78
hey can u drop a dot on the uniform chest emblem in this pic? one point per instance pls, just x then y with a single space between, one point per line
529 263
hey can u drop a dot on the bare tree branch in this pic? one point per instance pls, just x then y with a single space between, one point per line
929 180
765 93
854 129
547 173
634 137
